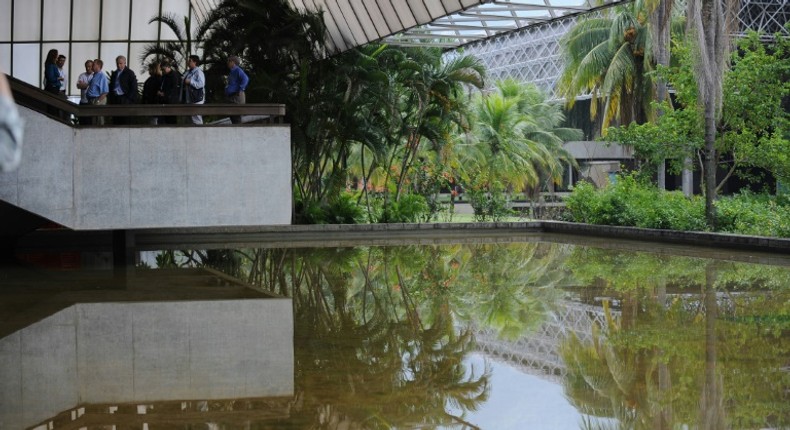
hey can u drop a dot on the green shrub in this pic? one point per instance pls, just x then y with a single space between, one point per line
633 202
753 214
409 208
487 206
343 209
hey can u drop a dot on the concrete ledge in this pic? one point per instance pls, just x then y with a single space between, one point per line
365 232
698 244
709 239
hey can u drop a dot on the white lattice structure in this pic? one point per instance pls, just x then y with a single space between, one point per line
529 55
532 54
537 353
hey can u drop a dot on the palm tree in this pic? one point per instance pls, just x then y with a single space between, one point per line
426 93
708 22
660 31
515 139
608 57
543 120
280 47
188 40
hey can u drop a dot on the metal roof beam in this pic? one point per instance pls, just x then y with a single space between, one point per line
436 36
471 27
547 7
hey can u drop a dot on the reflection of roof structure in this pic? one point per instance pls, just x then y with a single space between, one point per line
537 353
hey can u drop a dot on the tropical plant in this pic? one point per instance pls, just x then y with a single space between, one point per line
189 40
708 28
609 57
435 99
394 102
515 142
753 129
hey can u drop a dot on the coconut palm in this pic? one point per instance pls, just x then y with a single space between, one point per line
515 139
543 120
609 58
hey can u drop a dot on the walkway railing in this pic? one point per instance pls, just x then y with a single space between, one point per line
62 110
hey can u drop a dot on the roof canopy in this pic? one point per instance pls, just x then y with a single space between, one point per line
446 23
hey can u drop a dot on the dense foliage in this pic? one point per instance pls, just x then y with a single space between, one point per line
392 126
754 214
633 201
753 129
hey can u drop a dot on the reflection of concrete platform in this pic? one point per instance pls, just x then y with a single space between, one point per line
235 413
157 341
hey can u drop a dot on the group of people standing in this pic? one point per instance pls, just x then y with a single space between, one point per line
165 85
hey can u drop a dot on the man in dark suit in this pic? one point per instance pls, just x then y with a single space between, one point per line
123 87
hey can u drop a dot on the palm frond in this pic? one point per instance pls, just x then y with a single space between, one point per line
621 70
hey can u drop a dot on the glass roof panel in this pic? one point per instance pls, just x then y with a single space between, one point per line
489 18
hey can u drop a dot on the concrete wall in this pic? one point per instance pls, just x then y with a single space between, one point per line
149 177
594 150
136 352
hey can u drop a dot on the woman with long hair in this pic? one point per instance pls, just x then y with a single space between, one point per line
51 74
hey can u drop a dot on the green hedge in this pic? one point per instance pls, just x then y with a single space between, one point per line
630 202
753 214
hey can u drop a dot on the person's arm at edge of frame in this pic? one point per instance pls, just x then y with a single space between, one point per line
12 128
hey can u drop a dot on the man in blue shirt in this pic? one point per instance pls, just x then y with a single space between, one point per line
98 88
237 84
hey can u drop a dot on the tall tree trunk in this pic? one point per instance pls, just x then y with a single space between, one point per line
708 22
710 164
660 25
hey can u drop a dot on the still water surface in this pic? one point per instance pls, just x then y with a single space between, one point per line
516 335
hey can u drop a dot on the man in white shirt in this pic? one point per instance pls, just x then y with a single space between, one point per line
82 83
84 80
195 83
63 75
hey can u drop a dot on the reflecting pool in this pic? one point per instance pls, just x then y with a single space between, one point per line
513 333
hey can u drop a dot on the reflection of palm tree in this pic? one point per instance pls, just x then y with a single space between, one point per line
509 288
398 368
712 408
604 381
